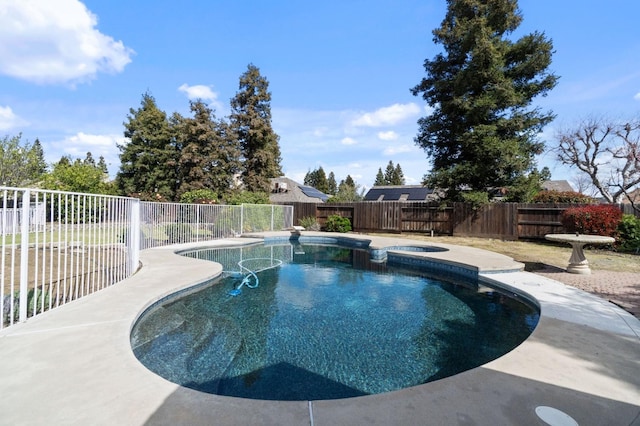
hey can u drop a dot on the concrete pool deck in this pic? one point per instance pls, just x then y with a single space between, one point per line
74 365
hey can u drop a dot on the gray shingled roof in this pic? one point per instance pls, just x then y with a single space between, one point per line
294 192
557 185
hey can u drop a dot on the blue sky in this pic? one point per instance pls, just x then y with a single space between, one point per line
340 72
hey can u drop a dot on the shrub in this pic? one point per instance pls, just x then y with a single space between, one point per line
309 223
597 219
557 197
629 233
246 197
337 223
199 196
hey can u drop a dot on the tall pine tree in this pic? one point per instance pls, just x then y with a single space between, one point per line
380 180
148 161
483 132
332 186
317 179
209 152
250 119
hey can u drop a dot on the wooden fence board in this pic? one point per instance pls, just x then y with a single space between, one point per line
508 221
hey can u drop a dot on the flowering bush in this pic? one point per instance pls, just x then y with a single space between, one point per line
562 197
597 219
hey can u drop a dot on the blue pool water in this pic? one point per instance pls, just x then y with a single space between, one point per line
327 323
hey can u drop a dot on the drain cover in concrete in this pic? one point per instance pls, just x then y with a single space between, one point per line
554 417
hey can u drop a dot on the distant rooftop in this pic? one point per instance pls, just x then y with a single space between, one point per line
557 185
285 190
400 193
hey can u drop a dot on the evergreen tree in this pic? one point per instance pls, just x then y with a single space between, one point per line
317 179
398 176
332 186
209 153
348 181
309 178
89 159
347 192
102 165
37 166
389 174
251 120
380 180
148 161
482 132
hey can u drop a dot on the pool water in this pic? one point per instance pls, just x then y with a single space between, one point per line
325 324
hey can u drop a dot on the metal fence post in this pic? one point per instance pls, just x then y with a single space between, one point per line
24 255
134 236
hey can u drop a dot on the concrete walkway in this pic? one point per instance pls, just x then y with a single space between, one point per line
74 365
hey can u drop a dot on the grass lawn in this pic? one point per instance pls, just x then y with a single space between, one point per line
534 254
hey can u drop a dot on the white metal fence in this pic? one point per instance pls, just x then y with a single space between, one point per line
59 246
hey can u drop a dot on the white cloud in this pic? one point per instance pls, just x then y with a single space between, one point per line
348 141
387 116
637 96
205 93
8 119
199 91
56 42
78 145
388 136
397 149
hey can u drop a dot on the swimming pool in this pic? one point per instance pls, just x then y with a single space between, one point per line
327 323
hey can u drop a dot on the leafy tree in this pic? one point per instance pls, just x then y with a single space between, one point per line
21 164
483 132
526 187
380 180
317 179
607 152
209 153
77 176
347 192
148 161
332 186
250 119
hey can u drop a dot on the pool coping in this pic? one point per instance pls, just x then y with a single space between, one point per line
74 364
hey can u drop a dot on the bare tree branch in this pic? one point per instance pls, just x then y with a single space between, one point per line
607 152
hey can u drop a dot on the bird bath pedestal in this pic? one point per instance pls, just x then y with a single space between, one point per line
578 264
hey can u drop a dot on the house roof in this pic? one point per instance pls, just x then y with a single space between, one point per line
557 185
285 190
399 193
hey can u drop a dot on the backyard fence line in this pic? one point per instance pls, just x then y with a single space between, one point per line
59 246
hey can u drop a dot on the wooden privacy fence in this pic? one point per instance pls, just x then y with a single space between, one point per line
509 221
